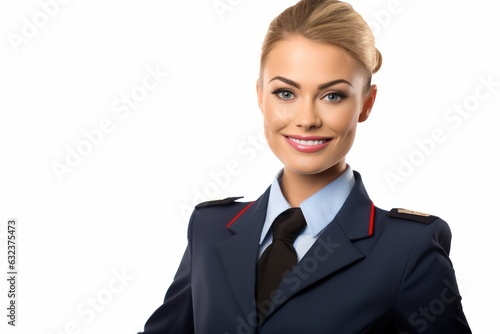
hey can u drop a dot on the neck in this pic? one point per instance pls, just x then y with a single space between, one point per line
298 187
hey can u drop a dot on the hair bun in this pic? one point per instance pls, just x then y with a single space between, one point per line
378 61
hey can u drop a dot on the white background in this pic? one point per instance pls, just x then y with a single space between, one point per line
123 209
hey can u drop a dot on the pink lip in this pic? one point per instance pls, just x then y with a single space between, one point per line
307 148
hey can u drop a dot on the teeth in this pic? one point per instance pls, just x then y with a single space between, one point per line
307 142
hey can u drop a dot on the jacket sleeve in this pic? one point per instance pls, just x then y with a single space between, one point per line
429 301
175 316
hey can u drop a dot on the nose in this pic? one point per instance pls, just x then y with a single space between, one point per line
307 117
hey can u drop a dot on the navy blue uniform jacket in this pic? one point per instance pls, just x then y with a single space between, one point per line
370 271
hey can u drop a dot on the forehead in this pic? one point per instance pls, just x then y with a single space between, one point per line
306 61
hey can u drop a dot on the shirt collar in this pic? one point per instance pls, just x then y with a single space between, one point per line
319 209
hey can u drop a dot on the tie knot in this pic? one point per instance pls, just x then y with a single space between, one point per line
288 225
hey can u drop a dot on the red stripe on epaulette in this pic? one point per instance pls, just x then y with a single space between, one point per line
372 217
239 214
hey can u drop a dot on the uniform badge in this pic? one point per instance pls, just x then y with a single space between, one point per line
420 217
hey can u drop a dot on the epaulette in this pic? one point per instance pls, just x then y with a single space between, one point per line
412 215
225 201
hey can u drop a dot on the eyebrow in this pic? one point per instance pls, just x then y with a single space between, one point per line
322 86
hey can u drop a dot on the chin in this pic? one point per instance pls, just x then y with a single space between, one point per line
307 169
310 166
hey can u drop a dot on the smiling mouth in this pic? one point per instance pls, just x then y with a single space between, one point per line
308 142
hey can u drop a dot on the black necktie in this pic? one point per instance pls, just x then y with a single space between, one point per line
279 257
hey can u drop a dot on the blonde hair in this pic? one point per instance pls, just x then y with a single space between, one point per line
326 21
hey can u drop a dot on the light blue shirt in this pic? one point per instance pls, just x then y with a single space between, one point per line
319 210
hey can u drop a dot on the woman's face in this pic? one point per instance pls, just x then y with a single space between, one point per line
312 96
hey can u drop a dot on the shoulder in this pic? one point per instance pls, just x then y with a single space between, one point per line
415 219
418 228
415 216
210 220
227 205
218 202
220 211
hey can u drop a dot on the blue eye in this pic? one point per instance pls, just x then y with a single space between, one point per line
334 97
283 94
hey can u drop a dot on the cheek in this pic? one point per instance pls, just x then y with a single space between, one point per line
276 116
340 123
342 119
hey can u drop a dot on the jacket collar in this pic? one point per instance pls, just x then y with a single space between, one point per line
356 216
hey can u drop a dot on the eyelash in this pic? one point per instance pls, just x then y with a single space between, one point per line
340 95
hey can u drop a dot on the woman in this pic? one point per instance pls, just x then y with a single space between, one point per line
313 254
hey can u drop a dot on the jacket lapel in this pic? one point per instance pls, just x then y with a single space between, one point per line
334 249
239 253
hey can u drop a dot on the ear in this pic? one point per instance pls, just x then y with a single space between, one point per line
258 88
368 104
